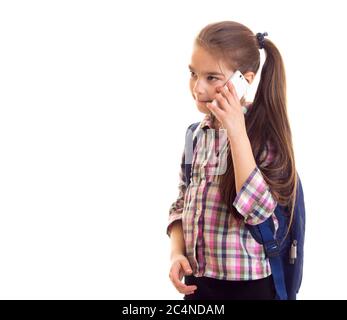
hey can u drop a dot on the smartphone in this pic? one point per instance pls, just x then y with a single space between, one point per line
240 83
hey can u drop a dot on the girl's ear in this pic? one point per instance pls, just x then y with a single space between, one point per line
249 76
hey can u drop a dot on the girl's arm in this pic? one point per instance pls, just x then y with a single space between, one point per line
253 199
176 209
174 229
177 239
243 158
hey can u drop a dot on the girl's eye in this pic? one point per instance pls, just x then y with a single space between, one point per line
209 78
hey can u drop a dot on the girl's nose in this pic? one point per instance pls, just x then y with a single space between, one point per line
199 88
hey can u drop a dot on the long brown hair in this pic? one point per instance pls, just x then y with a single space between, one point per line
267 119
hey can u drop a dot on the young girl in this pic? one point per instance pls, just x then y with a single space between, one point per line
210 244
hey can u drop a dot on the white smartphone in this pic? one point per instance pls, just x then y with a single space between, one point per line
240 83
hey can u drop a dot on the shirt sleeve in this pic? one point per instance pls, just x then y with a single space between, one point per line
176 209
254 201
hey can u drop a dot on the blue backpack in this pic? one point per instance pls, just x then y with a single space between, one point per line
285 253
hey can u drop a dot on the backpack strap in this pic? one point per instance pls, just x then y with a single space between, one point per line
189 151
272 250
264 233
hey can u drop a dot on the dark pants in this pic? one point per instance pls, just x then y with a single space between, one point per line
215 289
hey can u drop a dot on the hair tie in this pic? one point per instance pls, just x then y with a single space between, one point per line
261 39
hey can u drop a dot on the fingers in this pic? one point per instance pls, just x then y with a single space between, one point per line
176 274
231 87
216 109
221 101
223 97
226 98
186 266
228 92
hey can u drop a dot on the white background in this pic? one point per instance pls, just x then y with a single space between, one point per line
94 106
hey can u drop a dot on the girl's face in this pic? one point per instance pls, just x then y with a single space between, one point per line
206 76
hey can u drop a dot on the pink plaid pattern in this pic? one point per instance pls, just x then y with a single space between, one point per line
216 245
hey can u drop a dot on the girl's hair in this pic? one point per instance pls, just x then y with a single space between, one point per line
267 119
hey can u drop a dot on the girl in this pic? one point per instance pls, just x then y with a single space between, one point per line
210 244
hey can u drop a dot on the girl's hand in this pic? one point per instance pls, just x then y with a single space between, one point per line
228 110
179 267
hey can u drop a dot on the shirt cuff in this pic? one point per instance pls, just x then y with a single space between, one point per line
172 218
255 201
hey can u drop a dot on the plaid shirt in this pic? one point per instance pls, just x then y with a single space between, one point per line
216 245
